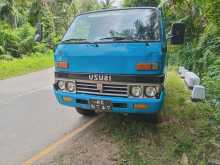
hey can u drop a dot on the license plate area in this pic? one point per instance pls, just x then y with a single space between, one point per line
101 105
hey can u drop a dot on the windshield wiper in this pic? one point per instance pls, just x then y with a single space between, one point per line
79 40
73 40
120 38
117 38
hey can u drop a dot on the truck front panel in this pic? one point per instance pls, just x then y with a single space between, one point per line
111 58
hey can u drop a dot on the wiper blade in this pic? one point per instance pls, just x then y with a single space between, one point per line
79 40
120 38
114 38
74 40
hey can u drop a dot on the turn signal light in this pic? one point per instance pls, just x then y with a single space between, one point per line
143 67
140 106
67 99
62 64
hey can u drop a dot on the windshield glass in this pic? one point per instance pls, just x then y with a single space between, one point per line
138 24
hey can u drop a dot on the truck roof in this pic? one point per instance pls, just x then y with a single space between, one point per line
115 9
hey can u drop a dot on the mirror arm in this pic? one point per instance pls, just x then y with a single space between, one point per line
169 37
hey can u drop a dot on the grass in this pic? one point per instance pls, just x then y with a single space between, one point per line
25 65
187 134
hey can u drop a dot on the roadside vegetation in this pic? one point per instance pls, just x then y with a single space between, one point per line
200 53
20 66
187 134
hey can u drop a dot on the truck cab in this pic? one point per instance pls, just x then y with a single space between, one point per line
113 61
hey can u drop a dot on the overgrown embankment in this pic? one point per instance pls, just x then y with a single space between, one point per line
200 53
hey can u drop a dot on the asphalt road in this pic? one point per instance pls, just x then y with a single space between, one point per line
30 117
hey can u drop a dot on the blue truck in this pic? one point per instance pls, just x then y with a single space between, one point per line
114 61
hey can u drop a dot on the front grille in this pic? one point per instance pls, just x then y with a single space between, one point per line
102 88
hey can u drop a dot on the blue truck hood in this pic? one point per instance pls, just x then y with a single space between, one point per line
110 58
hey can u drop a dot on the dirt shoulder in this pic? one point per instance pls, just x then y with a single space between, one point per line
89 147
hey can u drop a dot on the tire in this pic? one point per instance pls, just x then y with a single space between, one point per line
85 112
154 118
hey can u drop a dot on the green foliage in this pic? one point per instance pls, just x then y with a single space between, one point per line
9 42
6 57
34 62
9 13
88 5
40 48
200 53
26 36
63 12
17 43
213 11
41 14
107 3
211 81
203 58
132 3
188 12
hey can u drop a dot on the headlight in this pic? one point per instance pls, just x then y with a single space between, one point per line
61 84
136 91
71 86
150 91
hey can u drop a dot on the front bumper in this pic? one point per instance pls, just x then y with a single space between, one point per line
120 104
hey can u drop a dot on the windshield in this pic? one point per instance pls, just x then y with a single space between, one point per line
138 24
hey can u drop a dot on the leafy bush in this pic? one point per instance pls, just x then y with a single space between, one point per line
25 31
17 43
6 57
26 36
204 59
212 82
217 115
40 47
10 42
201 50
2 50
131 3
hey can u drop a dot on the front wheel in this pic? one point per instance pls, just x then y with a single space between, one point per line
154 118
85 112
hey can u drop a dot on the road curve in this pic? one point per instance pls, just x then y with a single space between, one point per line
30 117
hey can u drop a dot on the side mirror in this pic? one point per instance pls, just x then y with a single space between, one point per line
178 33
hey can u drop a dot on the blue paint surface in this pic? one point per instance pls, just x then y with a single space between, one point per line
114 58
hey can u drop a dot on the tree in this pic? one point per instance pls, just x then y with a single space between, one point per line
88 5
107 3
133 3
41 16
63 12
9 13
